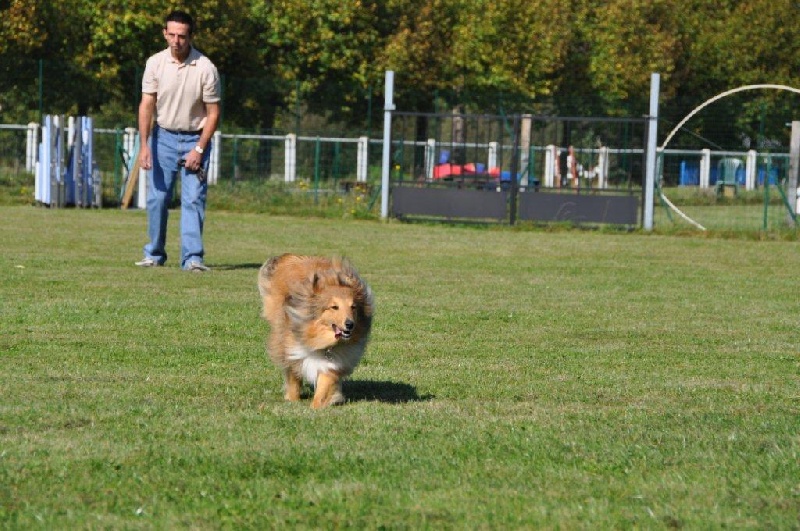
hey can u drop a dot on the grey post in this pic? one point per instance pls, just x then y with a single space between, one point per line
650 170
794 167
388 107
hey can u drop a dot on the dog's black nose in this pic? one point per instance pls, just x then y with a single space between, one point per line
349 324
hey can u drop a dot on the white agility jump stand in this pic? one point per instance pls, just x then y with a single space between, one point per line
65 172
32 147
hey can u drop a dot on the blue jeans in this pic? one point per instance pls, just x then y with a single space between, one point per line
168 149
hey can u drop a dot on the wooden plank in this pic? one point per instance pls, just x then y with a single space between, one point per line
130 185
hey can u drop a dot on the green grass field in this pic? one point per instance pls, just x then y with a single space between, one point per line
515 379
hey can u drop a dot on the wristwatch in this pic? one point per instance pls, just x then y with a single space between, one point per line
198 149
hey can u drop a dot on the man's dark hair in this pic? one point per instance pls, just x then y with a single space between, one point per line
182 17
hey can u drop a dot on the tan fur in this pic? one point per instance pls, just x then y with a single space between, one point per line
320 316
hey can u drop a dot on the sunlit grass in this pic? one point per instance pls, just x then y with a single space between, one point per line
515 379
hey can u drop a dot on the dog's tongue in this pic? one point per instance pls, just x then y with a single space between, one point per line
337 331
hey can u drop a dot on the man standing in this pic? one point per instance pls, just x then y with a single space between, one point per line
181 89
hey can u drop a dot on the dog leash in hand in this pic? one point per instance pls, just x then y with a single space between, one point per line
201 173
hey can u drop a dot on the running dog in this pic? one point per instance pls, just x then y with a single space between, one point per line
320 316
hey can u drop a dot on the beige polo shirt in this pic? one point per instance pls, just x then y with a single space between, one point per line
181 89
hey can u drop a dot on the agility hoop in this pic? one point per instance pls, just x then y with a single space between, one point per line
695 111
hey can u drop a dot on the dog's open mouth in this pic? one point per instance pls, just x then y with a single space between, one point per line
341 334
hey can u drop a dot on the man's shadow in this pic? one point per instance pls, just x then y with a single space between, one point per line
234 267
386 392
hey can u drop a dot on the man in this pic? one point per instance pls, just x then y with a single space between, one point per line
181 89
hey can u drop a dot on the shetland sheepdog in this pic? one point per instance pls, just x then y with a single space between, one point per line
320 315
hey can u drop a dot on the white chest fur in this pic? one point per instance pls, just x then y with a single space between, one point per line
341 359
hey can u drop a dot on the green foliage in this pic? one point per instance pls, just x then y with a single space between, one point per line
18 29
328 57
629 40
514 380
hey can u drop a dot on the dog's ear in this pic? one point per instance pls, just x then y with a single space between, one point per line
294 314
366 299
347 274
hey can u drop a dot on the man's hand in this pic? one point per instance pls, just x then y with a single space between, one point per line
193 160
145 157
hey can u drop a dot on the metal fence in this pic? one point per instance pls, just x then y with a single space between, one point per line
558 153
504 168
327 161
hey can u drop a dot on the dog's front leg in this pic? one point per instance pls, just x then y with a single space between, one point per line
291 385
328 390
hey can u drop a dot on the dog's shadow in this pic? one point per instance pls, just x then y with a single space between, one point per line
385 392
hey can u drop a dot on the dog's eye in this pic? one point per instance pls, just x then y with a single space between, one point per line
335 307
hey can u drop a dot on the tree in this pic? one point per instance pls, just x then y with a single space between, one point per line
725 45
121 38
614 48
20 37
325 56
322 52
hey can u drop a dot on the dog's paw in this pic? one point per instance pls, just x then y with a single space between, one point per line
334 400
337 399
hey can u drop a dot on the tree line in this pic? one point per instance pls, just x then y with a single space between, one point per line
327 58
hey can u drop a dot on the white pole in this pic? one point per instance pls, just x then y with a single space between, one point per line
430 158
750 172
216 154
32 147
290 158
602 168
362 164
491 157
388 107
652 130
705 168
550 163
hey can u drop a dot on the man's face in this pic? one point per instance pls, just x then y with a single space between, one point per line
178 38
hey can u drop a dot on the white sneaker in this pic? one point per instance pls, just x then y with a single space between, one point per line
147 262
197 267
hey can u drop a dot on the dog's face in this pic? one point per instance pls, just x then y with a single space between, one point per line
328 308
332 316
339 312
